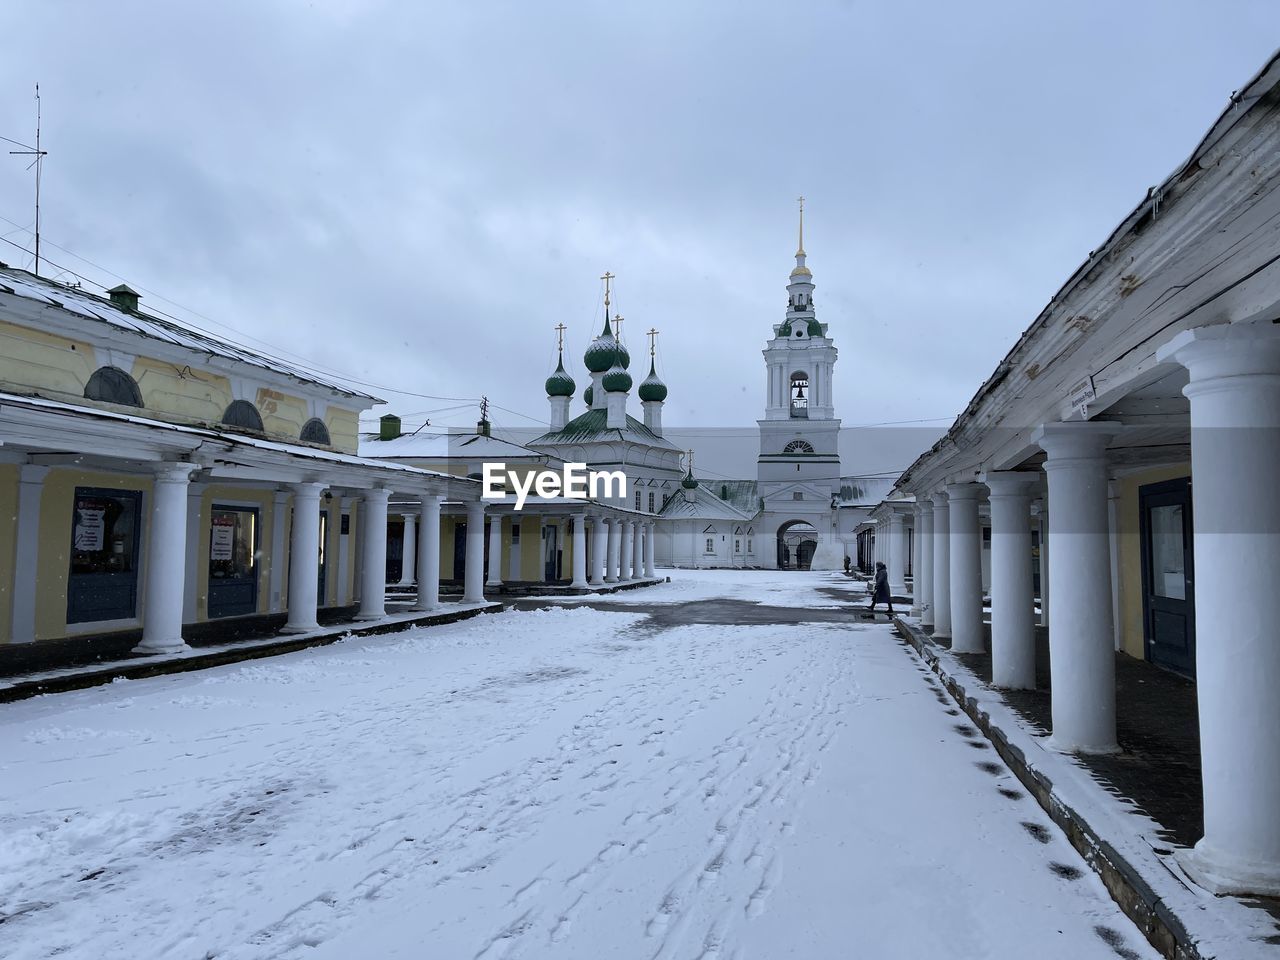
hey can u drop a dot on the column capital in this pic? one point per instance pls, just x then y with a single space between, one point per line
967 490
171 472
1075 440
1225 350
378 495
940 497
1011 483
475 508
308 489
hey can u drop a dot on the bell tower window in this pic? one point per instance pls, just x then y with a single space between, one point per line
800 395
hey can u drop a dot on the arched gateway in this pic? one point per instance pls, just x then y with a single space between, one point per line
797 539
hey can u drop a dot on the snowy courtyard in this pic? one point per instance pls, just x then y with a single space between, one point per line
725 766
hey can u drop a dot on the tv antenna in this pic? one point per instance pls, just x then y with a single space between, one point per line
38 156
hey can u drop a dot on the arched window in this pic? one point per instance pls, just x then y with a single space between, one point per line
798 446
800 395
244 415
113 385
314 431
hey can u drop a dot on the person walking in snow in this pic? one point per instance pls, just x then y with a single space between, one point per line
881 592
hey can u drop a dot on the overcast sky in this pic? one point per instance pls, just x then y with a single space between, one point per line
415 194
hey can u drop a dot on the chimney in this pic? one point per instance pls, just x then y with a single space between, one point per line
388 427
124 297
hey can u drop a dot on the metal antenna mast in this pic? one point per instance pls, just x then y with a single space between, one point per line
38 163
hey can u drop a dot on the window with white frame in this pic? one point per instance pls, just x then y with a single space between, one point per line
651 496
711 545
637 499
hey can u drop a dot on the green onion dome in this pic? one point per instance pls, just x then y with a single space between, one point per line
603 351
651 388
815 328
617 380
588 395
688 482
560 384
785 329
624 356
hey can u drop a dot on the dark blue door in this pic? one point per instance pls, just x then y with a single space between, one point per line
102 582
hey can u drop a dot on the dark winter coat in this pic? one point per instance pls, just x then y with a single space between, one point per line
881 594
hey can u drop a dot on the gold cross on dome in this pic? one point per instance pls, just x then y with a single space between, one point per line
653 339
606 278
617 326
560 329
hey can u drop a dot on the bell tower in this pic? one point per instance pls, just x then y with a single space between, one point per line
799 435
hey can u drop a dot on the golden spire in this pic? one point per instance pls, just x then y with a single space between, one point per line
800 249
653 339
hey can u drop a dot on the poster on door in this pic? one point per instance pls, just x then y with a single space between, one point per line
91 528
222 538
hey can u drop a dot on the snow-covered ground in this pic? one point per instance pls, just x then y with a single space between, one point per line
562 783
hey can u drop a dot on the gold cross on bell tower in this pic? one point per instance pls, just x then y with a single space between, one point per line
653 339
560 329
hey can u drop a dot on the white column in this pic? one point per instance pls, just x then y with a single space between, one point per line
637 550
1013 631
579 560
373 558
1235 447
599 549
966 569
651 530
916 597
345 587
428 554
495 552
408 551
941 565
897 532
26 550
473 571
166 561
1081 656
611 560
304 559
924 578
624 553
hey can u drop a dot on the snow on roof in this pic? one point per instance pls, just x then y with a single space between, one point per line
864 491
238 439
438 445
705 506
89 306
591 427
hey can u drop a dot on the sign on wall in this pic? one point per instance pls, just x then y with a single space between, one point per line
222 538
90 530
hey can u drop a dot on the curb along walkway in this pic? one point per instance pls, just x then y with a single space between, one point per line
58 680
1121 844
34 683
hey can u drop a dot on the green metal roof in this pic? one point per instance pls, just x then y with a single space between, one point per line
590 428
